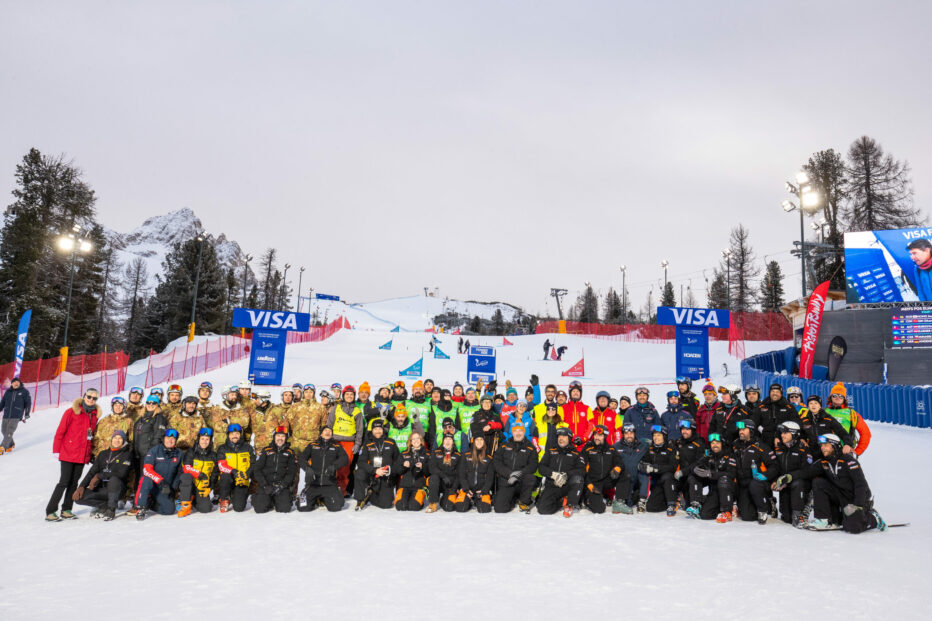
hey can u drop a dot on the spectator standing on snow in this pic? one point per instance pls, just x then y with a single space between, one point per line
73 443
546 348
15 404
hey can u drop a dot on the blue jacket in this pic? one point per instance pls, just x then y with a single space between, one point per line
16 403
923 281
165 462
527 419
631 455
671 420
643 417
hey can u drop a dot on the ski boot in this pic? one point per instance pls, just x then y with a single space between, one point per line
141 514
723 517
97 513
762 517
642 505
821 524
224 506
773 508
693 511
523 508
881 525
185 509
133 512
798 521
432 507
52 517
108 514
671 510
620 506
178 504
567 509
68 515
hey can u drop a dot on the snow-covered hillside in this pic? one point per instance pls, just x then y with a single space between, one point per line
393 565
155 237
412 314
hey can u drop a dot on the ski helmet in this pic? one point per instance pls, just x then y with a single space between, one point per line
628 427
208 386
672 393
171 433
116 400
815 398
189 399
641 390
752 388
289 391
175 388
682 379
661 429
830 438
794 391
234 427
789 427
244 384
137 390
157 391
602 393
205 431
264 395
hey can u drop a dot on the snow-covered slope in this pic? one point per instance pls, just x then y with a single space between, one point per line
390 565
153 239
412 314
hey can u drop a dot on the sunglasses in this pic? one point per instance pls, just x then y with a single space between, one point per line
90 398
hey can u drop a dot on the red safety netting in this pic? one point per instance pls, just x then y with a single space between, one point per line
107 372
744 326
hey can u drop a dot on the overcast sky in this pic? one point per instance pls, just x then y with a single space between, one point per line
492 149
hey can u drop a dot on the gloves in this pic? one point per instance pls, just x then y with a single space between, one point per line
616 472
94 481
646 468
559 478
758 475
678 475
514 477
240 478
25 418
329 471
78 494
202 476
577 441
702 473
851 509
534 380
164 488
507 383
447 482
783 480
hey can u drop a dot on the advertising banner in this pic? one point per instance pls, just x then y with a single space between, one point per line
889 266
21 334
814 311
480 364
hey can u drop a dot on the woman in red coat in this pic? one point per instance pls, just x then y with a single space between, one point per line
73 442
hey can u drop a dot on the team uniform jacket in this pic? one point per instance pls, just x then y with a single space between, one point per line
237 460
201 464
277 466
110 464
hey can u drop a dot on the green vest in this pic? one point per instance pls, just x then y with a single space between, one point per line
843 416
419 412
459 439
465 414
401 435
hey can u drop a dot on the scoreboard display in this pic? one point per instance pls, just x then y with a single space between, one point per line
912 327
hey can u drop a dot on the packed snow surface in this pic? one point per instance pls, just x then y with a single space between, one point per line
377 564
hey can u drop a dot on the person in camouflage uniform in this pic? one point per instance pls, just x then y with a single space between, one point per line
135 407
265 420
283 410
118 419
309 395
228 412
305 422
204 392
173 406
187 422
244 389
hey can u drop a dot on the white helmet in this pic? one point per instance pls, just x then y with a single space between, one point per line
794 390
245 384
264 395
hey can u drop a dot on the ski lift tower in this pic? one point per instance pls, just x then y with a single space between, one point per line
557 294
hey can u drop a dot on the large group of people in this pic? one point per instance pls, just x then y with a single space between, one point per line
717 457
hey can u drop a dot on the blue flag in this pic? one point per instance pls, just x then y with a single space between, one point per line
414 370
439 354
387 345
21 335
396 329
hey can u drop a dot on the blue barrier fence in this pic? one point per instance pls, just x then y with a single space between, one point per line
901 405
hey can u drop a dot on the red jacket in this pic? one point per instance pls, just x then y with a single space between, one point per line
576 414
704 417
75 435
607 418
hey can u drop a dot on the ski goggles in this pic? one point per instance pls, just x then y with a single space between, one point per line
235 427
310 387
157 391
171 433
174 388
673 393
119 400
137 390
741 425
641 391
714 437
686 424
656 429
206 431
627 427
207 385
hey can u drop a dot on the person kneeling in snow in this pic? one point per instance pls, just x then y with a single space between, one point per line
413 468
712 483
321 461
375 481
199 474
103 486
478 476
161 472
515 463
564 471
444 485
840 491
604 471
236 460
275 473
659 464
